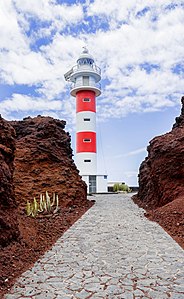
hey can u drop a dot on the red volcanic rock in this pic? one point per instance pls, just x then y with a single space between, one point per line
43 161
161 180
8 220
161 175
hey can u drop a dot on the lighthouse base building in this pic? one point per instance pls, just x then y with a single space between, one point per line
85 77
96 183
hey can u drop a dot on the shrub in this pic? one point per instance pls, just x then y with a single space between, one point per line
116 187
121 187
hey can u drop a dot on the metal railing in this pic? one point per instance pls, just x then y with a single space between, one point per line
87 67
91 84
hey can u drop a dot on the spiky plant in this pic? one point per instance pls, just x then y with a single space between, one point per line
53 199
28 208
34 208
45 205
57 204
48 203
41 204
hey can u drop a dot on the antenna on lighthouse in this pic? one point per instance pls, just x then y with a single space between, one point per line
85 50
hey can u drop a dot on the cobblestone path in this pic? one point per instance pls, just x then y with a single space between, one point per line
113 251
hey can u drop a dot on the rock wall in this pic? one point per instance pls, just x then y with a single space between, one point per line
8 221
43 161
161 174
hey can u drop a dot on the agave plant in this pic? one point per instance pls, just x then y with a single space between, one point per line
34 208
45 205
48 201
41 204
53 199
57 204
28 208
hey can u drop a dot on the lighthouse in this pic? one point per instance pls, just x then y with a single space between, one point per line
85 87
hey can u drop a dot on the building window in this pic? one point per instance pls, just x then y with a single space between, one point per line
105 177
86 100
86 119
86 140
87 161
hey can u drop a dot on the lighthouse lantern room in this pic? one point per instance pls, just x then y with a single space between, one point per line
85 87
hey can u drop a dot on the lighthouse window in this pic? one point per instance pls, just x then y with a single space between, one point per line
86 119
85 61
86 100
87 160
87 140
85 80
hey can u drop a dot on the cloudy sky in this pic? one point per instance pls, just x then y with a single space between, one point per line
139 46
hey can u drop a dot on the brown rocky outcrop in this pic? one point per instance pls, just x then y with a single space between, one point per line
161 180
44 161
161 175
8 219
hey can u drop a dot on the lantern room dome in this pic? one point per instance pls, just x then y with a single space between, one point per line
85 57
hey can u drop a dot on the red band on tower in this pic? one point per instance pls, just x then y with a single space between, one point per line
85 101
86 142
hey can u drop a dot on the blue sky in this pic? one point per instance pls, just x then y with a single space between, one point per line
139 46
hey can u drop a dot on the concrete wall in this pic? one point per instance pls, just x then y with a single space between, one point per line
101 183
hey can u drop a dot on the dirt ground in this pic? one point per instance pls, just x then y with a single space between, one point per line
37 236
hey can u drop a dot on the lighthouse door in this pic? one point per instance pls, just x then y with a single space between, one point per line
92 183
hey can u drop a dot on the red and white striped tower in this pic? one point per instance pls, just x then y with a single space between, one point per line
85 77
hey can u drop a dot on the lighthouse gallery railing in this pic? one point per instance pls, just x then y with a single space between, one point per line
80 84
88 67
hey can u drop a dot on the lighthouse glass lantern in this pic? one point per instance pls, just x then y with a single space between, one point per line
85 87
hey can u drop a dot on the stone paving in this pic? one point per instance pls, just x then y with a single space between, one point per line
112 252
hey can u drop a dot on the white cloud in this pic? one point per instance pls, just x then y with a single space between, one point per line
140 34
131 153
48 10
11 34
21 102
63 108
135 152
19 64
127 48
